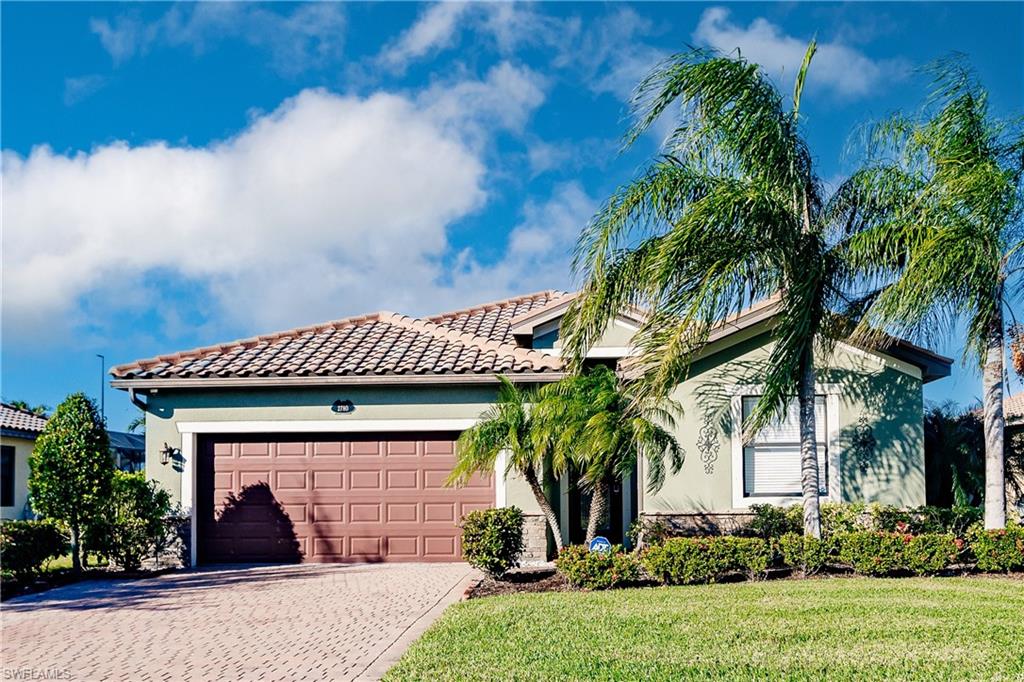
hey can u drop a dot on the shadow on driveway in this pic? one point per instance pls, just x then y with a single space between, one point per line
165 592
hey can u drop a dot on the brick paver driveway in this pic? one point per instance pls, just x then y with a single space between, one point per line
303 622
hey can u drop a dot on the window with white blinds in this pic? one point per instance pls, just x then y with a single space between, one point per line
771 461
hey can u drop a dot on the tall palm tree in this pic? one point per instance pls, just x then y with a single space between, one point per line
595 421
729 213
508 427
937 219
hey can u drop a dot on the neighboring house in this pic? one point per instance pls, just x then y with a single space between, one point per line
18 431
332 442
1013 412
128 449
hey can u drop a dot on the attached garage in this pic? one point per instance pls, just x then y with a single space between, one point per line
331 497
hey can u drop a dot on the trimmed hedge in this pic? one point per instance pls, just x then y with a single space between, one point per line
26 545
598 570
882 553
686 561
492 539
772 522
998 550
809 554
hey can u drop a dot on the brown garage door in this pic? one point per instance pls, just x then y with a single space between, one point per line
331 498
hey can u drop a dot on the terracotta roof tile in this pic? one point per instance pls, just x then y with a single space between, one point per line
472 341
17 419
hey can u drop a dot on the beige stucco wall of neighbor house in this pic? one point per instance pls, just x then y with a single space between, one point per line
22 449
169 407
885 391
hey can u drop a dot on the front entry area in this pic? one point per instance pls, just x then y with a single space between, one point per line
331 498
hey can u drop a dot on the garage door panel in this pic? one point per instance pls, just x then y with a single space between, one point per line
332 499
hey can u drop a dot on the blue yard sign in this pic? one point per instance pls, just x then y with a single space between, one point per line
601 545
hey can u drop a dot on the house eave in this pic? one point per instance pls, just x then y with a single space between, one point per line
357 380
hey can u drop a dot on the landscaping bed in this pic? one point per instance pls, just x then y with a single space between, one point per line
846 628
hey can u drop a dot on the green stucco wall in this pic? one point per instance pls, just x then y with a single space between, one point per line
22 449
885 391
169 407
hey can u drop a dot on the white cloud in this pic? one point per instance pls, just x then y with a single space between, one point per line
78 88
308 36
328 205
435 29
507 25
843 69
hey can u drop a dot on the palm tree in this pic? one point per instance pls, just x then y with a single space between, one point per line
38 410
730 213
937 216
508 427
594 421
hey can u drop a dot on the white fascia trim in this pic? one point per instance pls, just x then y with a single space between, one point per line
340 425
881 360
835 493
599 351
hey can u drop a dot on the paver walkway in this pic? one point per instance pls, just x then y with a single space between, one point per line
303 622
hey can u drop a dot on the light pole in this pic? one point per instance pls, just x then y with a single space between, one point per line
103 388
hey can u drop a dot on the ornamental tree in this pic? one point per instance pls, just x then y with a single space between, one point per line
71 468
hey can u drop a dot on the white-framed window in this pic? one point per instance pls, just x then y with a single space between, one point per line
766 470
771 460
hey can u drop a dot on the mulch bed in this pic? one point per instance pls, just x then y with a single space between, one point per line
541 579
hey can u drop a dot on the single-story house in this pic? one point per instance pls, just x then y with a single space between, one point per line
1013 412
18 434
332 442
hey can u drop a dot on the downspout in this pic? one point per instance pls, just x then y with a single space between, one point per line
136 401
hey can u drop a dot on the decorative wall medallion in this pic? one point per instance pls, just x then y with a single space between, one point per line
863 444
708 443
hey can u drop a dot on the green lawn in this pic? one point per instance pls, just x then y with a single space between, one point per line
839 628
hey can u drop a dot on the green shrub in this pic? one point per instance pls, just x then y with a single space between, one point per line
133 522
597 570
771 522
929 553
842 517
686 561
871 552
998 550
806 553
492 539
26 545
645 532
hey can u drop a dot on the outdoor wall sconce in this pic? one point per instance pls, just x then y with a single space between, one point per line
167 454
343 407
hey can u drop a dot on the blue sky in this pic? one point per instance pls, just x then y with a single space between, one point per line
179 175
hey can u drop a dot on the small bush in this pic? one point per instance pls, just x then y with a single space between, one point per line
597 570
998 550
645 532
842 517
809 554
772 522
492 539
686 561
133 522
26 545
929 553
871 552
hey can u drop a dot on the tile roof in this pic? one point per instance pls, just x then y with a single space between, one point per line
494 320
1013 408
16 419
472 341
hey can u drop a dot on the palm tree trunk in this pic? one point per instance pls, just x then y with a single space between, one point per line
809 485
995 423
598 508
545 506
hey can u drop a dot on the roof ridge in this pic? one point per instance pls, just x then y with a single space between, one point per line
496 304
247 342
440 331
